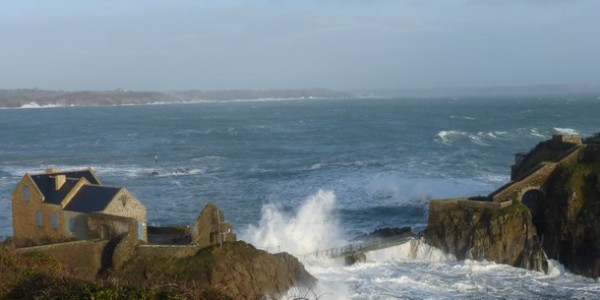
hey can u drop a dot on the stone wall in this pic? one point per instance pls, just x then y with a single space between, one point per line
537 178
211 229
152 251
84 258
107 226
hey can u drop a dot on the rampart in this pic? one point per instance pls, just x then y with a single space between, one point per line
84 258
536 178
174 251
514 190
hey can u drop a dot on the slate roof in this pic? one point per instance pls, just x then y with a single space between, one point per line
53 196
92 198
45 182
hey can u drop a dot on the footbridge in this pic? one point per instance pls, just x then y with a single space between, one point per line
362 247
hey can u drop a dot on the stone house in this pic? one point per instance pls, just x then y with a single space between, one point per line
60 206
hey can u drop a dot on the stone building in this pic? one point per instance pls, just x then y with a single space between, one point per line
211 229
60 206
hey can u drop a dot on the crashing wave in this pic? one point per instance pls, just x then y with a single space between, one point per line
565 130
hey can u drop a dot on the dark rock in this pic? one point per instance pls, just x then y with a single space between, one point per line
502 235
386 232
356 257
569 221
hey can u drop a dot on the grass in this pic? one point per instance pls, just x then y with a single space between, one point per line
38 276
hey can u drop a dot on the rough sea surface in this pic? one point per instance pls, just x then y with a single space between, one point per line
302 175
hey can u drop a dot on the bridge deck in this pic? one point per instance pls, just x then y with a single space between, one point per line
360 247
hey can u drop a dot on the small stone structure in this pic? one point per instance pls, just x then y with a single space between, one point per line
211 228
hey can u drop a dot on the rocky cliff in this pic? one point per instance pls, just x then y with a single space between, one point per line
569 222
504 235
555 214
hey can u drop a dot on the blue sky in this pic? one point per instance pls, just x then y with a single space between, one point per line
337 44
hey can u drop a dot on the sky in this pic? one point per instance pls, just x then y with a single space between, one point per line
269 44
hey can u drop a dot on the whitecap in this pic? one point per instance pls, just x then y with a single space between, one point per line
565 130
450 136
462 117
316 166
536 133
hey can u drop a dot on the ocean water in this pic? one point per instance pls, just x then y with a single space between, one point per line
302 175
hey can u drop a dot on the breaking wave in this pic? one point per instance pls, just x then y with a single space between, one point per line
314 226
449 137
565 130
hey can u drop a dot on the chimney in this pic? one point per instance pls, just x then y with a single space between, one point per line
51 170
59 180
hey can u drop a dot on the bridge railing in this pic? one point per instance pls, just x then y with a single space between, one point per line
375 244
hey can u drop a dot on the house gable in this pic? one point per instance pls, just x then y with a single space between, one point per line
125 204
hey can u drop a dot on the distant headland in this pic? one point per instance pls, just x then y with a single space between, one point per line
29 98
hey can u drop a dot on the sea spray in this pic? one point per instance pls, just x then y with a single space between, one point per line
411 251
313 227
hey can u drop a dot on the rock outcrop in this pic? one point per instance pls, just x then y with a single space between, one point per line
554 214
236 269
504 235
569 222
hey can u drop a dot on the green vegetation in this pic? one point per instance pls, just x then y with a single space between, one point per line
38 276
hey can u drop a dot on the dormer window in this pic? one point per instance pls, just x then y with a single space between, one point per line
26 193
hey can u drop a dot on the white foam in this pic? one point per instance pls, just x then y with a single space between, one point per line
565 130
463 117
536 133
313 227
34 104
413 250
450 136
316 166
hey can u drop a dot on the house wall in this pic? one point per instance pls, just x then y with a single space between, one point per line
26 229
105 226
125 204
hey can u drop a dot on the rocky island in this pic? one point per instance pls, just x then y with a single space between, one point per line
549 210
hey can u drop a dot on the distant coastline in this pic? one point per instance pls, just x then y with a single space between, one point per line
35 98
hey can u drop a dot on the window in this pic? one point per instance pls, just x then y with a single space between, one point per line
26 193
54 221
72 224
40 218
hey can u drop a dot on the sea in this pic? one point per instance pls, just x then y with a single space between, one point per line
301 175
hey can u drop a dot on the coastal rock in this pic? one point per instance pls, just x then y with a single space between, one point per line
247 273
569 219
505 235
386 232
236 269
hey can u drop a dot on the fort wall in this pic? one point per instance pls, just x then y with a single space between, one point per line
84 258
